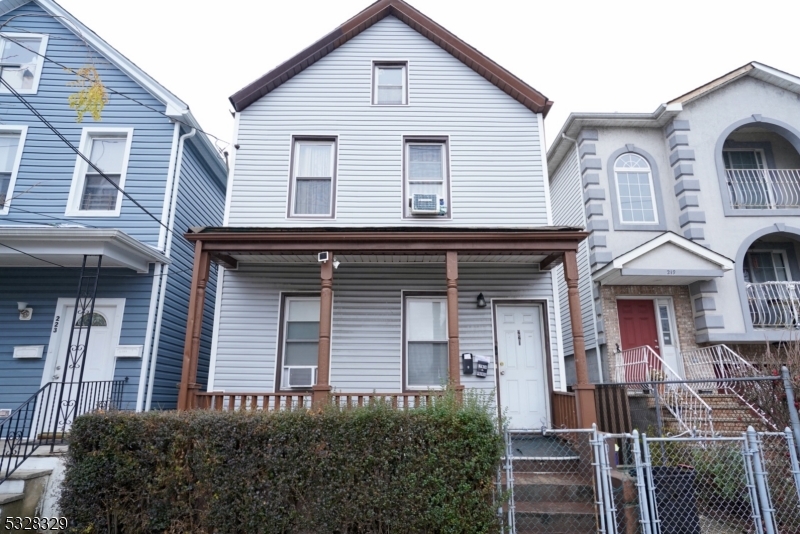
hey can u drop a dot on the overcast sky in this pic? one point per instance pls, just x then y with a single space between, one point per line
585 56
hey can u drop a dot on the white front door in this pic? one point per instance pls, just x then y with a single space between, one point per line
99 362
521 365
668 336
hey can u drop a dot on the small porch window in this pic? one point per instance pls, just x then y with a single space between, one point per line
426 342
300 342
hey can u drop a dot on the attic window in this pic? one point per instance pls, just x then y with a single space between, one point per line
21 59
390 84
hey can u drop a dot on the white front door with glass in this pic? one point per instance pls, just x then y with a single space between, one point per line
426 343
521 366
300 342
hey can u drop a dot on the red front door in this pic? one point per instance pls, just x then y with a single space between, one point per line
637 328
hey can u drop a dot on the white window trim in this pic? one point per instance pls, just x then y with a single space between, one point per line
447 186
23 132
334 140
770 251
81 167
618 170
374 81
429 298
39 60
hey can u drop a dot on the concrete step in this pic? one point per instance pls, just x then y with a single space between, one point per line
555 517
18 479
8 498
552 488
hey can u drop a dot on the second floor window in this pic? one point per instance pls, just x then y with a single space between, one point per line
426 177
10 152
390 84
635 189
312 188
21 61
93 193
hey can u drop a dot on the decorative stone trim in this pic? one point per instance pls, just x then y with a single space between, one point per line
707 286
706 322
587 149
692 217
597 241
677 140
676 125
683 169
686 201
694 233
681 154
681 158
593 196
600 257
686 185
594 209
591 178
595 193
704 304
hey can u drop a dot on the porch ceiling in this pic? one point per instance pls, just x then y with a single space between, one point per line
258 258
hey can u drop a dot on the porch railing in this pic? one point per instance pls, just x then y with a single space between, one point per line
565 411
42 421
774 304
764 188
641 368
273 402
717 363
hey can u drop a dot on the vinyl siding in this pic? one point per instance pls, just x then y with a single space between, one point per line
366 336
567 199
41 288
495 156
47 165
201 201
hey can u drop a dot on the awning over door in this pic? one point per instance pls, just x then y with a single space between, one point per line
24 246
669 259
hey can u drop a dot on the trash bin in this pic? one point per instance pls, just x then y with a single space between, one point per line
675 499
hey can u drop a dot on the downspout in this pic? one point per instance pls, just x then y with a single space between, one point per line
176 179
594 310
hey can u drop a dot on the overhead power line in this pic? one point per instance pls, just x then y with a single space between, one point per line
79 153
31 255
151 108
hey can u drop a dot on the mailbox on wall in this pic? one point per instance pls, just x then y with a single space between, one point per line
481 366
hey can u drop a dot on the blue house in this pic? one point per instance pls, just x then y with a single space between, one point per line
102 233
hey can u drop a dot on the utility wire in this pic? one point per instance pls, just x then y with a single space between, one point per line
151 108
78 152
32 256
49 217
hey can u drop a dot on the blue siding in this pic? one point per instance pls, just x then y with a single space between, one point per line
48 163
201 202
41 289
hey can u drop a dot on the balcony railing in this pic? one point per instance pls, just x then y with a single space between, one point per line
774 304
764 188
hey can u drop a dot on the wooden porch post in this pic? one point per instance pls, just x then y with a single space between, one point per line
454 353
584 391
322 387
194 328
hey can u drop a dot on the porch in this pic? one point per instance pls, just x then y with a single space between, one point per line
466 274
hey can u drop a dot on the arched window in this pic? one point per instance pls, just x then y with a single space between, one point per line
95 319
635 189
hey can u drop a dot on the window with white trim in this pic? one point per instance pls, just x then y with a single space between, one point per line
21 60
96 193
390 84
426 177
426 349
300 350
12 140
635 189
313 184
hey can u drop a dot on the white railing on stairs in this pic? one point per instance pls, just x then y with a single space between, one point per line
642 365
715 364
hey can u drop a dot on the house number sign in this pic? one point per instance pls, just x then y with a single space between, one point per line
55 324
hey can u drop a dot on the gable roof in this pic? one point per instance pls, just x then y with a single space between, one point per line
175 107
503 79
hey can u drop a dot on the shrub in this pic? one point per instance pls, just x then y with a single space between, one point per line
364 470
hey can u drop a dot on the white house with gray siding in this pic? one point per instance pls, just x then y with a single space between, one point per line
388 219
692 213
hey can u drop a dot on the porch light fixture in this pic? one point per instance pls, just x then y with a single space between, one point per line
336 263
25 312
481 301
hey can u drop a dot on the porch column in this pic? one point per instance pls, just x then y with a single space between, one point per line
584 391
322 387
454 353
194 328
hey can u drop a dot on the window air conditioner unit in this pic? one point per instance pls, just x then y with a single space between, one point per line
300 377
425 204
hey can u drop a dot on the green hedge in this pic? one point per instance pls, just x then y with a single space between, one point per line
365 470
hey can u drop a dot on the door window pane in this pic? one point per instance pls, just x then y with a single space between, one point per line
666 327
766 267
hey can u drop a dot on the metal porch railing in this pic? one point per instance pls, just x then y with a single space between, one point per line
45 418
774 304
764 188
643 365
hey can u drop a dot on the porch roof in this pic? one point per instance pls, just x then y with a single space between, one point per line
668 260
29 246
230 245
